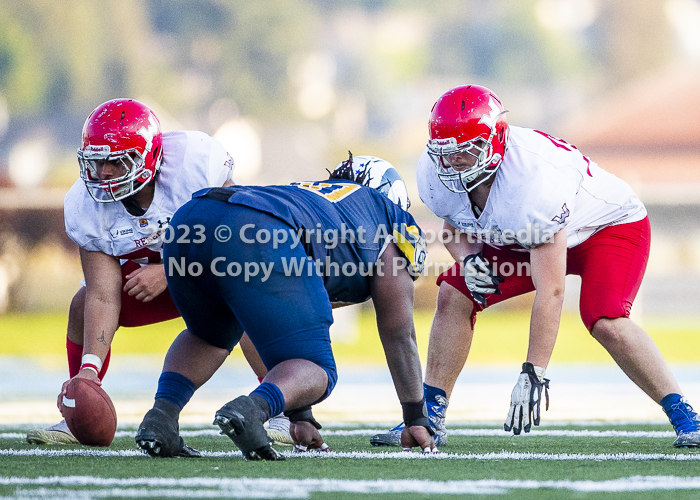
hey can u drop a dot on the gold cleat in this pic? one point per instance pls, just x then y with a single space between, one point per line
56 434
278 430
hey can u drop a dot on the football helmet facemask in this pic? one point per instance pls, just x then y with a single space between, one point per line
375 173
468 136
127 133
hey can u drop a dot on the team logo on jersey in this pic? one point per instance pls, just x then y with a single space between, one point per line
229 162
143 222
562 216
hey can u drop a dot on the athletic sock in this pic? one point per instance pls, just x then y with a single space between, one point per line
430 392
269 398
105 364
75 357
175 388
74 352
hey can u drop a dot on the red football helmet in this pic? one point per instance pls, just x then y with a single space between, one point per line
468 136
126 132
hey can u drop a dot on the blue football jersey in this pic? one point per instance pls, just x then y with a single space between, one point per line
343 226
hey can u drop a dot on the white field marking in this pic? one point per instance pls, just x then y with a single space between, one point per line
457 424
497 423
207 487
451 432
502 455
502 433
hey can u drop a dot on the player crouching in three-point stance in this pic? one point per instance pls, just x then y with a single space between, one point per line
136 177
357 242
529 209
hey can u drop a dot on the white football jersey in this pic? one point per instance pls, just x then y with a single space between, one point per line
191 161
543 184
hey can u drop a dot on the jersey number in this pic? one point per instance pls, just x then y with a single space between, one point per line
561 143
333 192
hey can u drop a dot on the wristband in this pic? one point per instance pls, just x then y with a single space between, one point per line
416 414
92 362
302 414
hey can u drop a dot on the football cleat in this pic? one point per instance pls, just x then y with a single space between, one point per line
686 423
56 434
278 430
437 410
436 415
159 436
391 438
242 421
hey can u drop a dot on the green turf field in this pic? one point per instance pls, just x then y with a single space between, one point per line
500 337
591 461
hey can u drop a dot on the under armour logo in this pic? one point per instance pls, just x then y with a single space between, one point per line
562 216
161 223
491 118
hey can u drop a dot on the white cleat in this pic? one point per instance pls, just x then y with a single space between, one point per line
56 434
278 430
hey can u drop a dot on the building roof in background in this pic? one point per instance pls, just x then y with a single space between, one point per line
647 132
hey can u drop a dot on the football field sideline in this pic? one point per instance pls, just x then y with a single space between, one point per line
364 393
328 431
206 487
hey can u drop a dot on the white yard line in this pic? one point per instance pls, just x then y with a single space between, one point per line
206 487
451 432
502 455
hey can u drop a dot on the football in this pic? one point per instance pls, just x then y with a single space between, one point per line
89 413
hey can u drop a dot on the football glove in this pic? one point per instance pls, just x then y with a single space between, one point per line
525 400
480 279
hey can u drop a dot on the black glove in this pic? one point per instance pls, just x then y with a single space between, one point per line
480 279
525 400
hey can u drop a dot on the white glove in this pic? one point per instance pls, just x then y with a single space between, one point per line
526 398
480 279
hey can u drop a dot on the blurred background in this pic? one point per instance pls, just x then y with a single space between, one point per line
289 86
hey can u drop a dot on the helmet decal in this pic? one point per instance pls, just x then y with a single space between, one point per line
148 133
490 119
376 173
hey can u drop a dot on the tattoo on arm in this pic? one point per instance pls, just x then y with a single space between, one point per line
101 338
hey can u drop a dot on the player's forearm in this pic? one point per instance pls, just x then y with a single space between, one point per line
459 246
544 326
101 322
404 366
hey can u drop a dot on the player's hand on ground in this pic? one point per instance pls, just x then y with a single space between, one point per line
85 373
146 282
306 437
525 401
417 436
